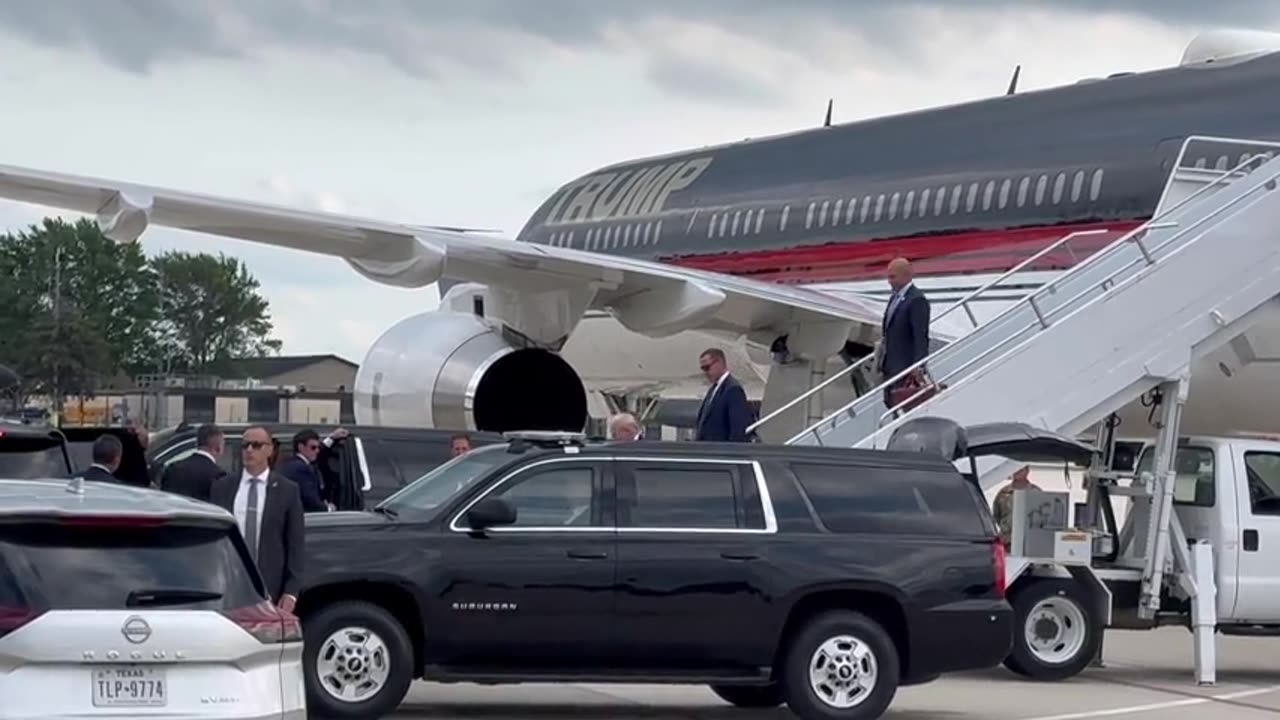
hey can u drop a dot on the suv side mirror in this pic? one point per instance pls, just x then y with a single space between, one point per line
490 512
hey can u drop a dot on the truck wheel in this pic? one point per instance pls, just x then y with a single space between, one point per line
842 665
357 660
1055 630
750 696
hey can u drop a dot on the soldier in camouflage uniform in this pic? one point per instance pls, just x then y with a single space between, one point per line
1002 507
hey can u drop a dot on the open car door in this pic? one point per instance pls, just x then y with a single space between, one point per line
133 469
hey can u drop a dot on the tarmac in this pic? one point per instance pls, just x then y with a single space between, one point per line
1147 675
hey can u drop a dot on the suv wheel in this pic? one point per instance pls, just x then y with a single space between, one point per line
750 696
1055 632
842 665
357 660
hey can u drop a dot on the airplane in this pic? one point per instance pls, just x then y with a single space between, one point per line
772 242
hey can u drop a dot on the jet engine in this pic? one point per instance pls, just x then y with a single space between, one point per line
459 371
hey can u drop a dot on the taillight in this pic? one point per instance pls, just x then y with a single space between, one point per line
999 565
267 623
12 618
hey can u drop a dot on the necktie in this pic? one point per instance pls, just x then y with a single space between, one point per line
251 519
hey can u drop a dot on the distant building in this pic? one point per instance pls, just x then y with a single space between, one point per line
310 373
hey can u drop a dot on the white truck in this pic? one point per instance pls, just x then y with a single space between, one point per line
1198 547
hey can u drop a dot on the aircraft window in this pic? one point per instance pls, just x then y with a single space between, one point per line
835 212
956 193
657 232
746 222
987 194
1244 158
893 205
782 223
822 215
724 220
1005 187
626 236
924 202
711 225
759 220
647 227
1095 188
1077 186
972 200
1041 184
808 218
1023 186
610 240
909 206
1201 163
1059 184
937 203
866 207
569 240
879 207
1222 163
733 229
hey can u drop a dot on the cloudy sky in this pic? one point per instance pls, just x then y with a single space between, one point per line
470 113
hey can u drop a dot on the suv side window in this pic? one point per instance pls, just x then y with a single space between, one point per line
711 495
563 494
892 501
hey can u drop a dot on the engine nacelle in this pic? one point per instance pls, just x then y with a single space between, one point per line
457 371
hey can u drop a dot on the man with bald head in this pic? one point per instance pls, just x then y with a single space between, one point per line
905 328
268 508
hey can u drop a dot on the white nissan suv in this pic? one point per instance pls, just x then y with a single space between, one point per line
118 601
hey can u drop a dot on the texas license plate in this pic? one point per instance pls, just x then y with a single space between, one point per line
129 686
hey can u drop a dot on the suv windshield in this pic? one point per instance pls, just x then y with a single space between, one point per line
444 482
28 457
51 565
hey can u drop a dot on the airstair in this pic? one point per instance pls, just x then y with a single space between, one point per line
1127 319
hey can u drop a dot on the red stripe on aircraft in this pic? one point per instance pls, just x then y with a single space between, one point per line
957 253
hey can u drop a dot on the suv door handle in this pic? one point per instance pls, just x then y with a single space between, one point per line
1251 540
739 556
587 555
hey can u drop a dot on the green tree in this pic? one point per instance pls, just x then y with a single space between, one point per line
75 308
211 312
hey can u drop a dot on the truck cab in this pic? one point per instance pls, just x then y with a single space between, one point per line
1227 491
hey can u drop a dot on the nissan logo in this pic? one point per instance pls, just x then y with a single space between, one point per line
136 630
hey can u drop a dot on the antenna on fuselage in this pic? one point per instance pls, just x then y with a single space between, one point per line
827 122
1013 83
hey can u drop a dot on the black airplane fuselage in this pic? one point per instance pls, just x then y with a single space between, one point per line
964 189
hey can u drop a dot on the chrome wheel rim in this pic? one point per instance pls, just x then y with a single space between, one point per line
843 672
353 664
1055 630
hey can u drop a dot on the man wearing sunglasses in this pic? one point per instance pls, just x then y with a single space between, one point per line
301 468
268 508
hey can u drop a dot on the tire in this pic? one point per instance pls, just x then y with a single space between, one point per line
360 646
750 696
865 662
1056 630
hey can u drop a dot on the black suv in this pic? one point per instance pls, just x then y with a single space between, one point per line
30 452
823 578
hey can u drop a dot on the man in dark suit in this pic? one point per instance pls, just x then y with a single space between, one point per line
905 327
268 508
725 413
107 453
302 470
193 476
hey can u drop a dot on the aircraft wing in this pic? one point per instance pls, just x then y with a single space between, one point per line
648 297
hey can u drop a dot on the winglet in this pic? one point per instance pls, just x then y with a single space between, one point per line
830 103
1013 82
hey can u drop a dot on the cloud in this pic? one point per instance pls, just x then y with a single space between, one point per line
712 49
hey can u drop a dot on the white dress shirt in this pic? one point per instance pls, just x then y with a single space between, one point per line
241 504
